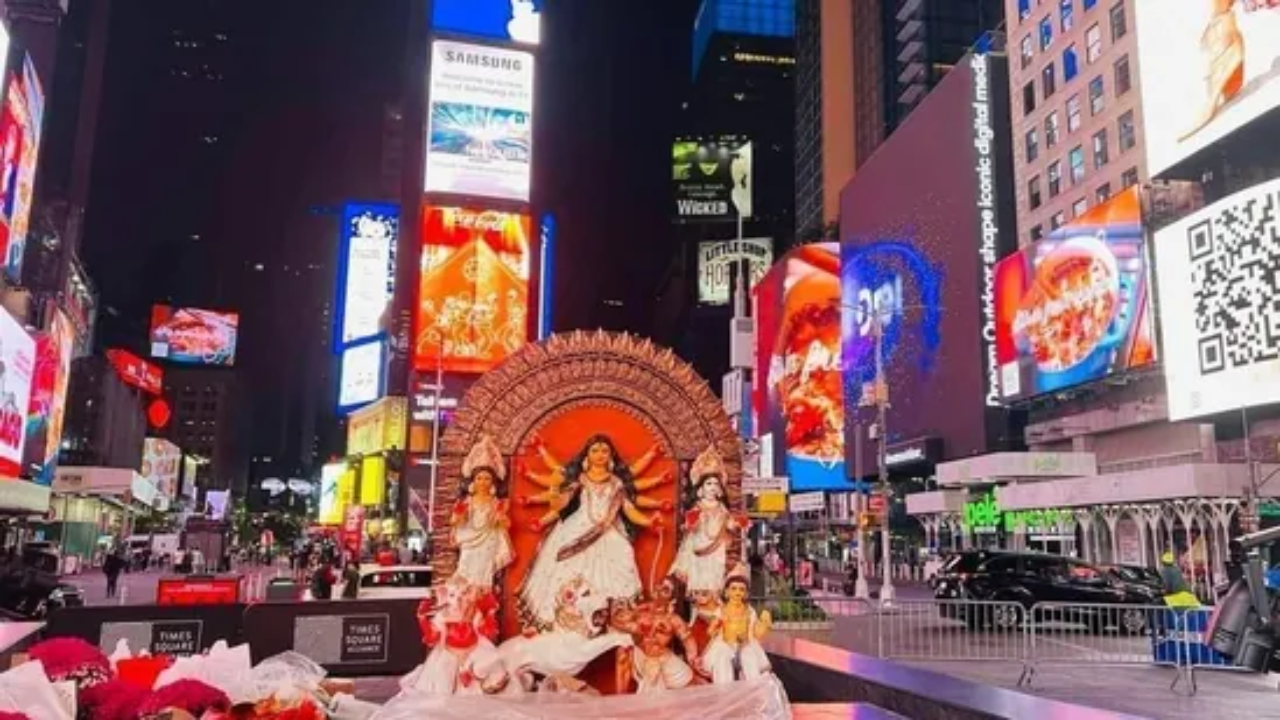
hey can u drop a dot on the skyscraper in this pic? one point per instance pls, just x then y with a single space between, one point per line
862 67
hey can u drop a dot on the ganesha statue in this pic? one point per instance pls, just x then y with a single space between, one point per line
709 531
479 522
579 634
459 626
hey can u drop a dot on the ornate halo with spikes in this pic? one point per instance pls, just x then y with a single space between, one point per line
707 463
485 454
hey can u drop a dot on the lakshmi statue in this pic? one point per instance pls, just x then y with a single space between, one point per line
709 529
654 626
734 652
594 500
479 520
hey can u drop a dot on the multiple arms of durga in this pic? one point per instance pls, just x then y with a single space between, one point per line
557 495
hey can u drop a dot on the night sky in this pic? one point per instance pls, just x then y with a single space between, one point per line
206 185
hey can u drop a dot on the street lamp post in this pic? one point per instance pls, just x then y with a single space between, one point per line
887 591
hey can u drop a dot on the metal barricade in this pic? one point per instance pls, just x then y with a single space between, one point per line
952 631
1103 635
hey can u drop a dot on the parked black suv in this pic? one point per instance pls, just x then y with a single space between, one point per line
1025 579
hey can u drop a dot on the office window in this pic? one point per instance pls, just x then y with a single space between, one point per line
1093 43
1056 221
1033 192
1024 9
1124 78
1028 51
1088 4
1051 127
1046 33
1097 96
1073 113
1055 178
1033 144
1100 153
1119 23
1029 98
1048 80
1067 14
1103 193
1126 131
1129 178
1070 64
1037 232
1075 159
1079 207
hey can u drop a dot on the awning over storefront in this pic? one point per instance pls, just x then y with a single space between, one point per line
119 482
1008 467
20 497
1137 486
937 501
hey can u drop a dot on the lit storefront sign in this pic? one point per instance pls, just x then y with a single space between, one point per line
984 516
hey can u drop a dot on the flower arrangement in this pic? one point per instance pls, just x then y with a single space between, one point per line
193 696
113 700
272 710
72 659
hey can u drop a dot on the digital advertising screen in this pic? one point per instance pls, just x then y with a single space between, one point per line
330 500
47 409
17 374
191 336
362 374
711 178
473 289
366 281
480 121
1205 72
136 372
161 464
801 401
1216 272
715 260
20 128
1075 307
922 226
516 21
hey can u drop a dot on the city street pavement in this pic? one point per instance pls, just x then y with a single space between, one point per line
139 588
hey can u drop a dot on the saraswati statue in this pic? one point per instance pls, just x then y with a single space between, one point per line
480 522
710 528
595 501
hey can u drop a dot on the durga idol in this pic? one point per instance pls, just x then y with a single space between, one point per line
594 500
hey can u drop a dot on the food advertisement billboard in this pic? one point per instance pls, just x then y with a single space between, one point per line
362 374
922 226
801 401
17 374
517 21
1075 307
192 336
366 277
1207 69
473 290
20 130
47 409
716 259
1217 274
711 178
161 464
480 122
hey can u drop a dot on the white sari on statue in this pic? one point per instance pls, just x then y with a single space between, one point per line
484 546
608 565
705 572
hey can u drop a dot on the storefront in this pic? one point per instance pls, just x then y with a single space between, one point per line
370 500
93 507
19 501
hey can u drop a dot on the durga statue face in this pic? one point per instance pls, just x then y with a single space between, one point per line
593 501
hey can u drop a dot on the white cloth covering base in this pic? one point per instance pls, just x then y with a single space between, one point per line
759 699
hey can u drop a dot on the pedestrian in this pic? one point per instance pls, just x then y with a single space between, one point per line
323 580
112 567
1177 593
351 579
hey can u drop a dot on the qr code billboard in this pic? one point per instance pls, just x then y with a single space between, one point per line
1218 274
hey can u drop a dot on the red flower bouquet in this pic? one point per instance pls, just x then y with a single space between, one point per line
192 696
272 710
72 659
113 700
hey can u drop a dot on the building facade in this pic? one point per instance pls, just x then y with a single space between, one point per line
1077 110
106 422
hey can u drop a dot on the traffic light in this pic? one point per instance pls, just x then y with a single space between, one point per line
867 520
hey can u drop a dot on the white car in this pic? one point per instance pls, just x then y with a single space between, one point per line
387 582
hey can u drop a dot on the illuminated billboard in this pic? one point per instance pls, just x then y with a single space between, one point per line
480 121
518 21
161 464
801 401
194 337
473 289
366 277
136 372
20 130
711 178
17 374
362 374
1075 307
1217 273
331 492
47 407
716 258
1207 69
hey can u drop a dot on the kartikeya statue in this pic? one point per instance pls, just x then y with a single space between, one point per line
592 499
734 652
479 519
